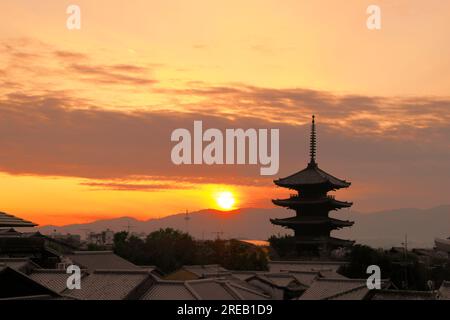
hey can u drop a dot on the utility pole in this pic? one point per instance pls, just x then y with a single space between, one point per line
128 227
405 264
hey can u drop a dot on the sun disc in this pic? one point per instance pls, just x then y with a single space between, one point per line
225 200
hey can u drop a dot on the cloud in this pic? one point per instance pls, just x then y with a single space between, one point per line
131 186
31 59
400 146
113 74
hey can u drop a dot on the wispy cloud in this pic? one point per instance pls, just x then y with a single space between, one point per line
132 186
382 141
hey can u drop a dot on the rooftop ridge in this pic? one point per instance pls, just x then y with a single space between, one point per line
120 271
308 262
90 252
248 290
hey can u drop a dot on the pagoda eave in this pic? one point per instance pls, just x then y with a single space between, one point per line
293 222
300 186
297 203
330 241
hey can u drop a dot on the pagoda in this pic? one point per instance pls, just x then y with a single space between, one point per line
311 224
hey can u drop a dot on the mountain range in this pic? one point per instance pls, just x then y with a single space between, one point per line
378 229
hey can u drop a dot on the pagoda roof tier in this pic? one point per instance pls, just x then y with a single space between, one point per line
312 175
8 220
325 240
302 220
298 202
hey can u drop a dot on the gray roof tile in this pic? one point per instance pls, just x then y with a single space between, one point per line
94 260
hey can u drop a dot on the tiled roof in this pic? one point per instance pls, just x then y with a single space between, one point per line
203 289
200 270
245 275
169 290
343 289
281 280
94 260
248 293
52 278
231 278
403 295
108 284
8 220
277 266
306 278
211 289
17 285
444 291
20 264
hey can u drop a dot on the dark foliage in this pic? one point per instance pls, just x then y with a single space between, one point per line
169 249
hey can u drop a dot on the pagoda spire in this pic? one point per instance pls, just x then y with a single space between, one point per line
312 146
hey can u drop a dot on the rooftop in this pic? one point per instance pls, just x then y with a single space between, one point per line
109 285
8 220
53 279
332 289
444 291
311 175
403 295
94 260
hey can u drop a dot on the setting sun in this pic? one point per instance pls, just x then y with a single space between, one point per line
225 200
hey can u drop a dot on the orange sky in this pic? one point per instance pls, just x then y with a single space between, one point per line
85 115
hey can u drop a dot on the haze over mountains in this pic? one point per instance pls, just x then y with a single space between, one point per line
378 229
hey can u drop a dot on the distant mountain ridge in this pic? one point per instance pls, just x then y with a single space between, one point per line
378 229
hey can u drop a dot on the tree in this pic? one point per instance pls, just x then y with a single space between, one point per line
169 249
284 246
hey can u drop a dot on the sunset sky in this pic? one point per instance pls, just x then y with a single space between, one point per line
86 115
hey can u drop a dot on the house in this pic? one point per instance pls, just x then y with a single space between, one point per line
8 220
279 286
444 291
402 295
339 289
193 272
203 289
94 260
111 285
17 285
24 265
104 238
53 279
327 268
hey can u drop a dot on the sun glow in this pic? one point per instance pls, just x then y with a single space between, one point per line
225 200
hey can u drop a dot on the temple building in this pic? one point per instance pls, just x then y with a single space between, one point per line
311 224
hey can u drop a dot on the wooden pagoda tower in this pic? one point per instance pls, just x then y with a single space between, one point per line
311 224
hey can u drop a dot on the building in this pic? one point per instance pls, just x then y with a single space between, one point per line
312 204
444 291
96 260
442 245
340 289
194 272
10 221
104 238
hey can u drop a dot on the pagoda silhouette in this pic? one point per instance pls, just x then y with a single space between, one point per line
311 224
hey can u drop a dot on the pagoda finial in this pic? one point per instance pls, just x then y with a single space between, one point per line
312 146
